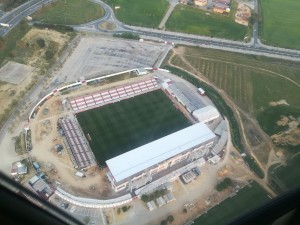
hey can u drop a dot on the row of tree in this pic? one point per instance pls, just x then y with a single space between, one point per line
170 219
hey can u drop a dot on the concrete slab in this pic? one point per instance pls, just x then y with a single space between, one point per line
14 73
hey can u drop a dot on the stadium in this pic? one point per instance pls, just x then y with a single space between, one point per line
145 131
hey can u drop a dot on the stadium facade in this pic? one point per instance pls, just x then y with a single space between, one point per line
141 165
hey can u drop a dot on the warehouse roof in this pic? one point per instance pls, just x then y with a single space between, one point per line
136 160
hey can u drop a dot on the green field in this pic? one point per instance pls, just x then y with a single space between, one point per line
120 127
9 43
272 114
252 82
138 12
280 26
286 177
195 21
69 12
245 200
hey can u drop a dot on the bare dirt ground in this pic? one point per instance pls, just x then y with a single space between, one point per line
253 136
291 135
53 39
96 56
14 73
243 14
107 26
22 78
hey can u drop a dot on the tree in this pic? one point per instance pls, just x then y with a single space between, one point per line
253 19
170 219
86 220
184 210
157 193
49 54
164 222
125 208
224 184
145 198
41 42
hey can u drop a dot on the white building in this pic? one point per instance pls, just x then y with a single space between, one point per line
206 114
138 167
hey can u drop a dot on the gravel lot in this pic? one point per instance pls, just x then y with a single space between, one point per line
14 73
96 56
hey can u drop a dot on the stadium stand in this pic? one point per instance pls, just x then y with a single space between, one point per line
83 103
77 143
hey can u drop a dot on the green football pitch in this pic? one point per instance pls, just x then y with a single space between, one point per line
119 127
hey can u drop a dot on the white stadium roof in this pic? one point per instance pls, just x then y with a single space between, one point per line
143 157
206 114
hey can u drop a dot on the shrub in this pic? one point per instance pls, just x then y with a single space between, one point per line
224 184
145 198
125 208
163 222
41 42
170 219
49 54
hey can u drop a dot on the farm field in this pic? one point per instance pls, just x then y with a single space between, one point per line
280 26
120 127
257 85
245 200
69 12
250 81
287 177
139 13
195 21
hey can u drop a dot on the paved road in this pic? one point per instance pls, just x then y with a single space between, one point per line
16 15
257 48
255 26
172 5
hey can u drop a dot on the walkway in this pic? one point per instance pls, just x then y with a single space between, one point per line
173 3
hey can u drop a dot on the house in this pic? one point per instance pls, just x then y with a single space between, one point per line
225 2
220 8
200 2
18 169
184 1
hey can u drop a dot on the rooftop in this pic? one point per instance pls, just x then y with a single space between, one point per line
143 157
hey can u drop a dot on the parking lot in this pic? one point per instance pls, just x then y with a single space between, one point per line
96 56
90 212
95 216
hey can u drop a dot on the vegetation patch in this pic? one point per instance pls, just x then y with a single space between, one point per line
195 21
150 197
247 199
8 5
139 13
127 35
69 12
119 127
224 184
269 116
280 24
286 177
